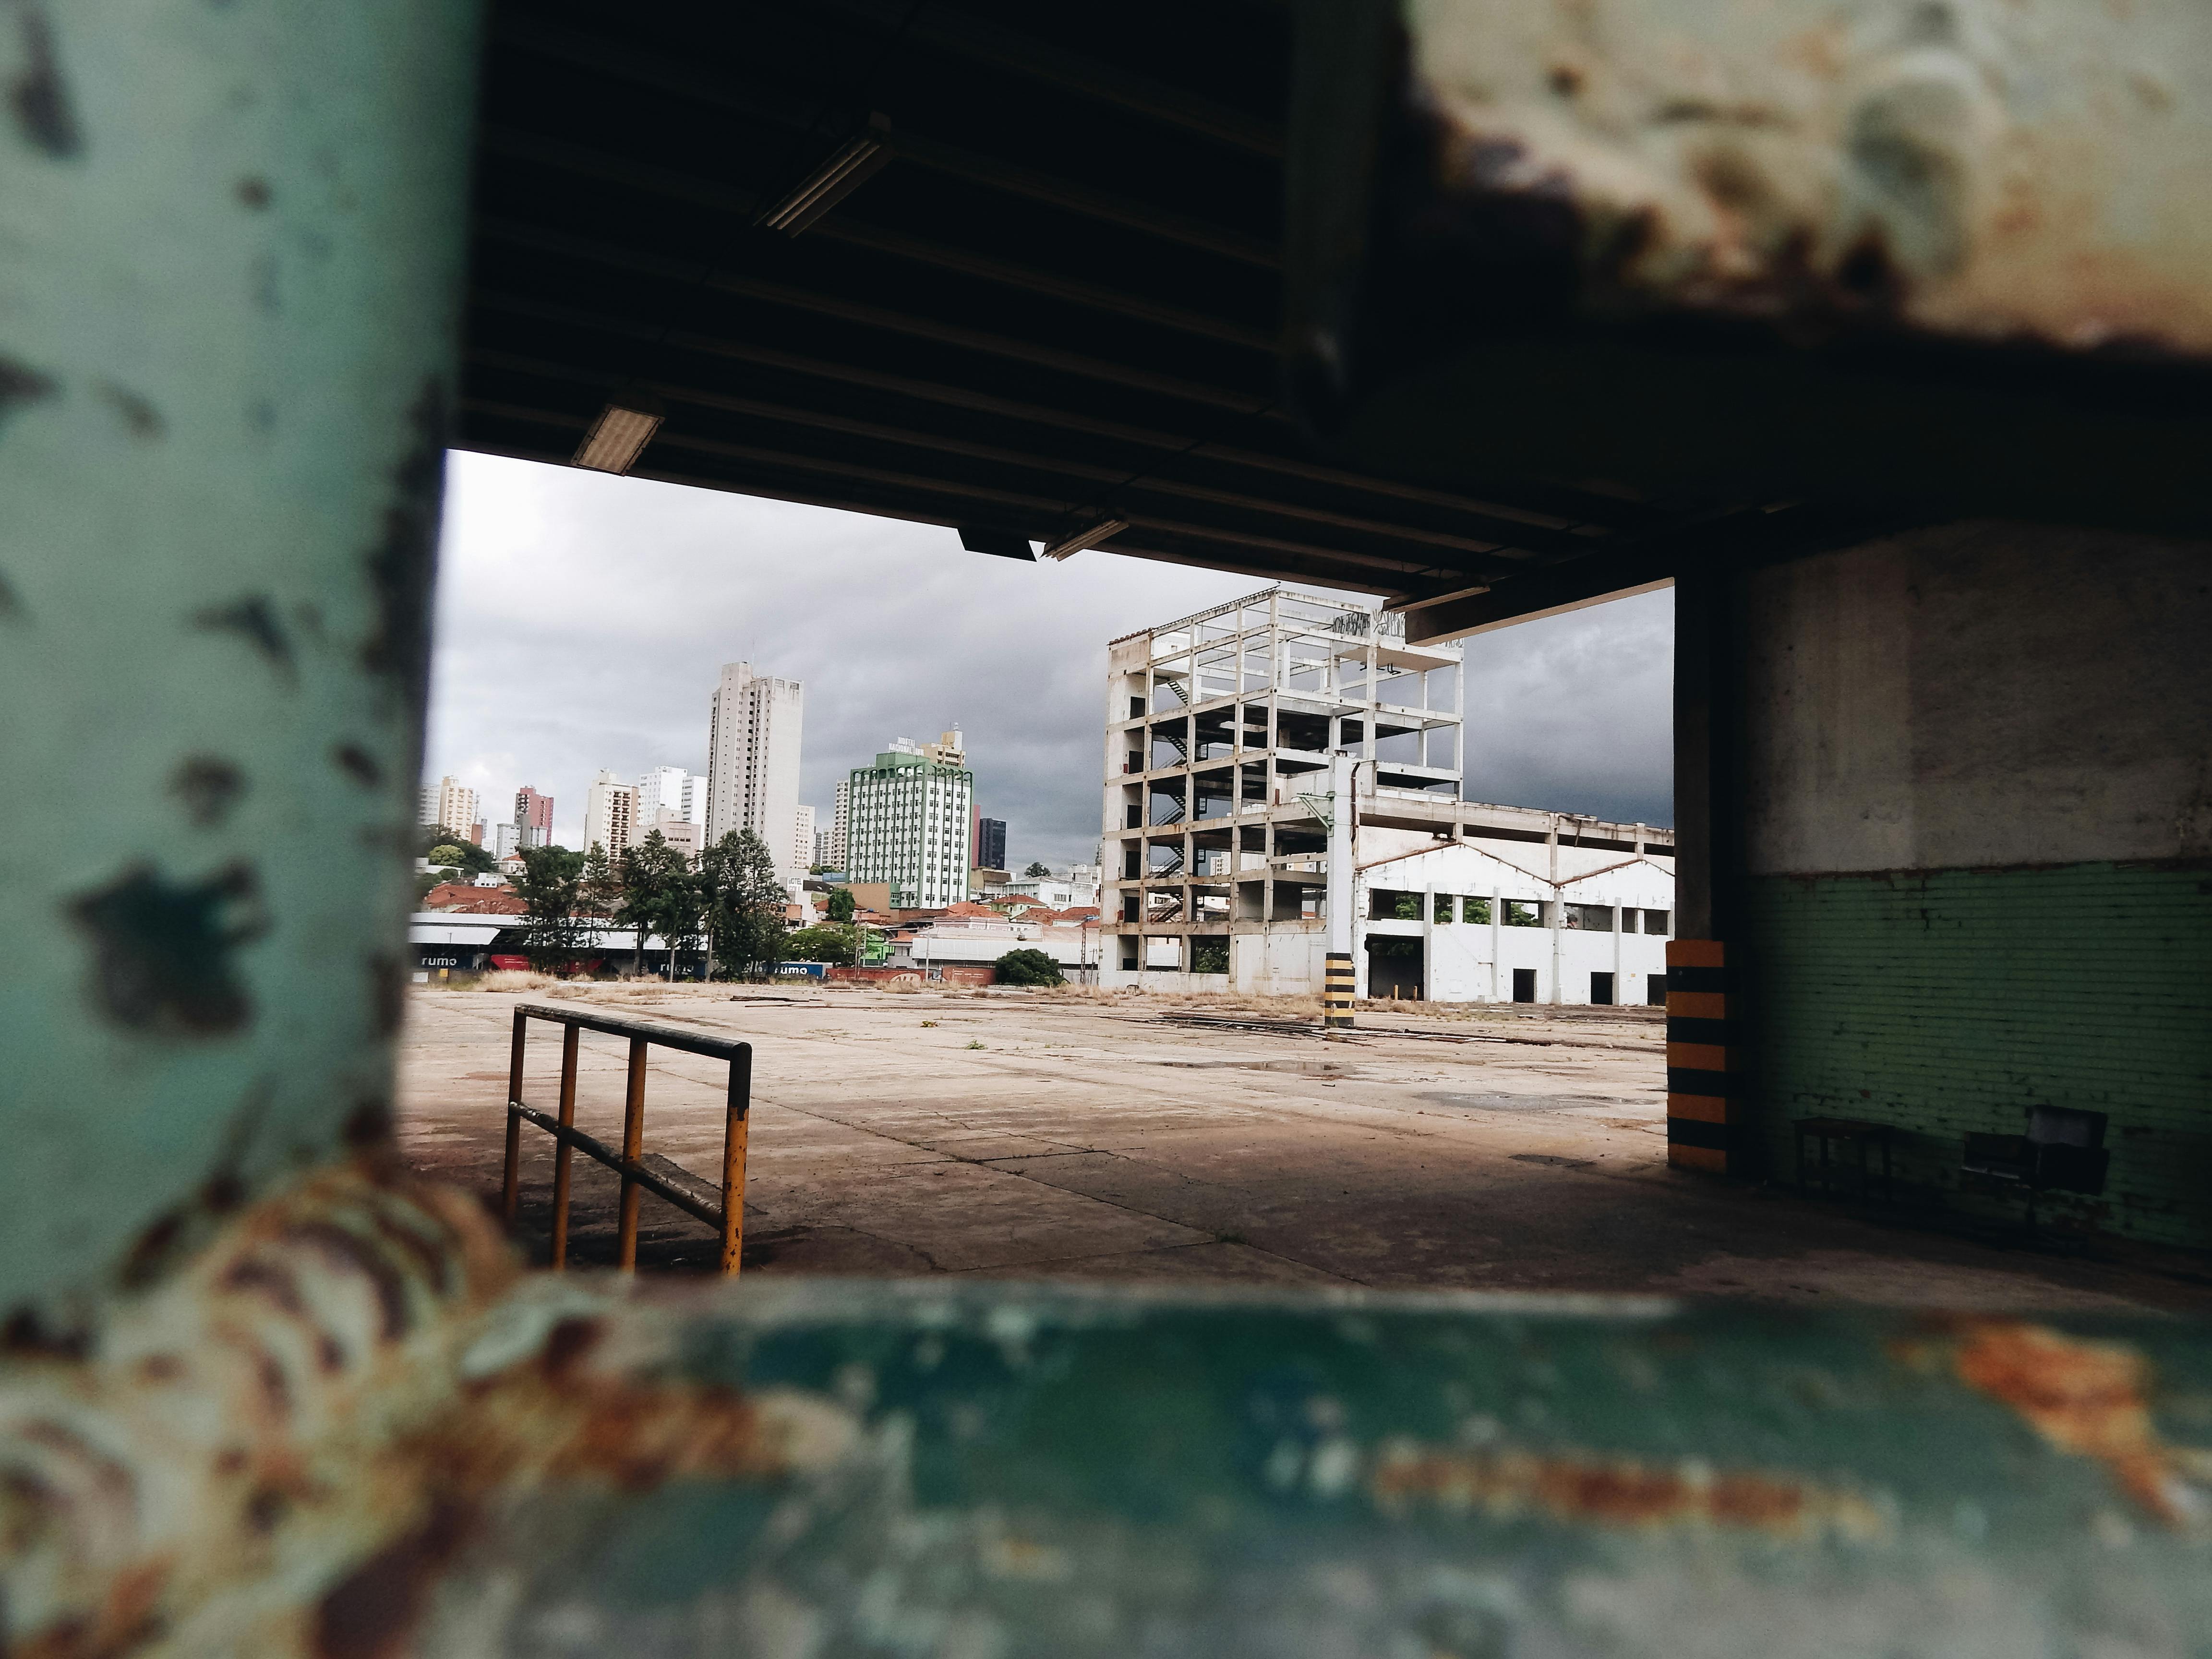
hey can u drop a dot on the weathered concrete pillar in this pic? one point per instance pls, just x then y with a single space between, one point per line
230 260
1706 1107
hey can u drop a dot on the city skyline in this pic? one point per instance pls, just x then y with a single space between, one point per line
545 673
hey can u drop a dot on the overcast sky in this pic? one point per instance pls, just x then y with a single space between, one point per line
582 620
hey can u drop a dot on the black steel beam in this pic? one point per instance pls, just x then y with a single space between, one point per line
1503 528
986 43
695 273
658 74
580 161
1116 482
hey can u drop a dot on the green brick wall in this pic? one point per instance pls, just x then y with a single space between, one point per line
1945 1001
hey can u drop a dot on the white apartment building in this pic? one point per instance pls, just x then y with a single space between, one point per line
504 839
610 814
802 841
1222 731
822 850
909 822
840 816
447 803
667 790
752 761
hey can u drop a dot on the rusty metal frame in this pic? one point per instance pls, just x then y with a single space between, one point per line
642 1171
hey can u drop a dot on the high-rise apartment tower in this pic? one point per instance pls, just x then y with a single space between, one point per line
908 818
611 814
533 818
752 760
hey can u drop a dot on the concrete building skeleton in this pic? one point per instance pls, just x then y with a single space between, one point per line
1221 728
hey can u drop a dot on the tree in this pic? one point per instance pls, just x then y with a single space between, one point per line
444 846
743 902
1028 967
548 886
842 904
1036 870
599 890
657 894
824 942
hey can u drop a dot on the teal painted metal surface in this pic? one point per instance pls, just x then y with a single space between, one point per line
354 1427
230 257
1013 1471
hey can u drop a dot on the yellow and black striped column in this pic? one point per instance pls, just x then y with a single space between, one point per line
1701 1102
1337 991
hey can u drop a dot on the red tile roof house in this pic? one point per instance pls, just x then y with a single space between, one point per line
460 898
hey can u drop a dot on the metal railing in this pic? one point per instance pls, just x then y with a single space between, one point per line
722 1209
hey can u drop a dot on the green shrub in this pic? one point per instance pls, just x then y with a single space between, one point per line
1028 967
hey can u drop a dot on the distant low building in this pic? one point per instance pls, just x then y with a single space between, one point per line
466 899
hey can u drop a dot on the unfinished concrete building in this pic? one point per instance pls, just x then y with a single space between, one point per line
1221 728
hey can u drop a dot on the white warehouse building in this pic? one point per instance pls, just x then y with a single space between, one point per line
1222 730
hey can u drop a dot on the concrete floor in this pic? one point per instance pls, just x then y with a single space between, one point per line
1068 1135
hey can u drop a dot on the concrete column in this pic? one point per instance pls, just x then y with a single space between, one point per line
1707 794
1343 969
1428 942
1555 910
231 251
1497 938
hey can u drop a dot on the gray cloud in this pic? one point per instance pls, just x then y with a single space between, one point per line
582 619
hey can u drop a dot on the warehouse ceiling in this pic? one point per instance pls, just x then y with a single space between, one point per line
1022 272
1045 310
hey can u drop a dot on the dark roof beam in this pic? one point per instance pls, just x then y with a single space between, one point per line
1116 480
697 274
1505 519
581 162
720 91
1126 211
985 43
1047 512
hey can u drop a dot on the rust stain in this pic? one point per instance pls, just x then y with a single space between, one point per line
328 1395
2089 1399
1590 1489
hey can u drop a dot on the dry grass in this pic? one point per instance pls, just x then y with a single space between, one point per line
508 979
1224 1002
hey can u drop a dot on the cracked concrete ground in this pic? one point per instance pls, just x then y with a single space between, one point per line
1042 1136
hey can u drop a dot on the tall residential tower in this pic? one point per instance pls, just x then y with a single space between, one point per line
752 761
908 822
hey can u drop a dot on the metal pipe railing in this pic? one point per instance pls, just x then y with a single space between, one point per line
642 1171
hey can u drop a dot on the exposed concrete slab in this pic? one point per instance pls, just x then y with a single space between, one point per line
1086 1141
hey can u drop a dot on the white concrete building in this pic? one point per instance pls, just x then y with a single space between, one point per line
1221 730
667 790
972 941
839 815
752 760
909 822
802 841
610 814
504 839
448 802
